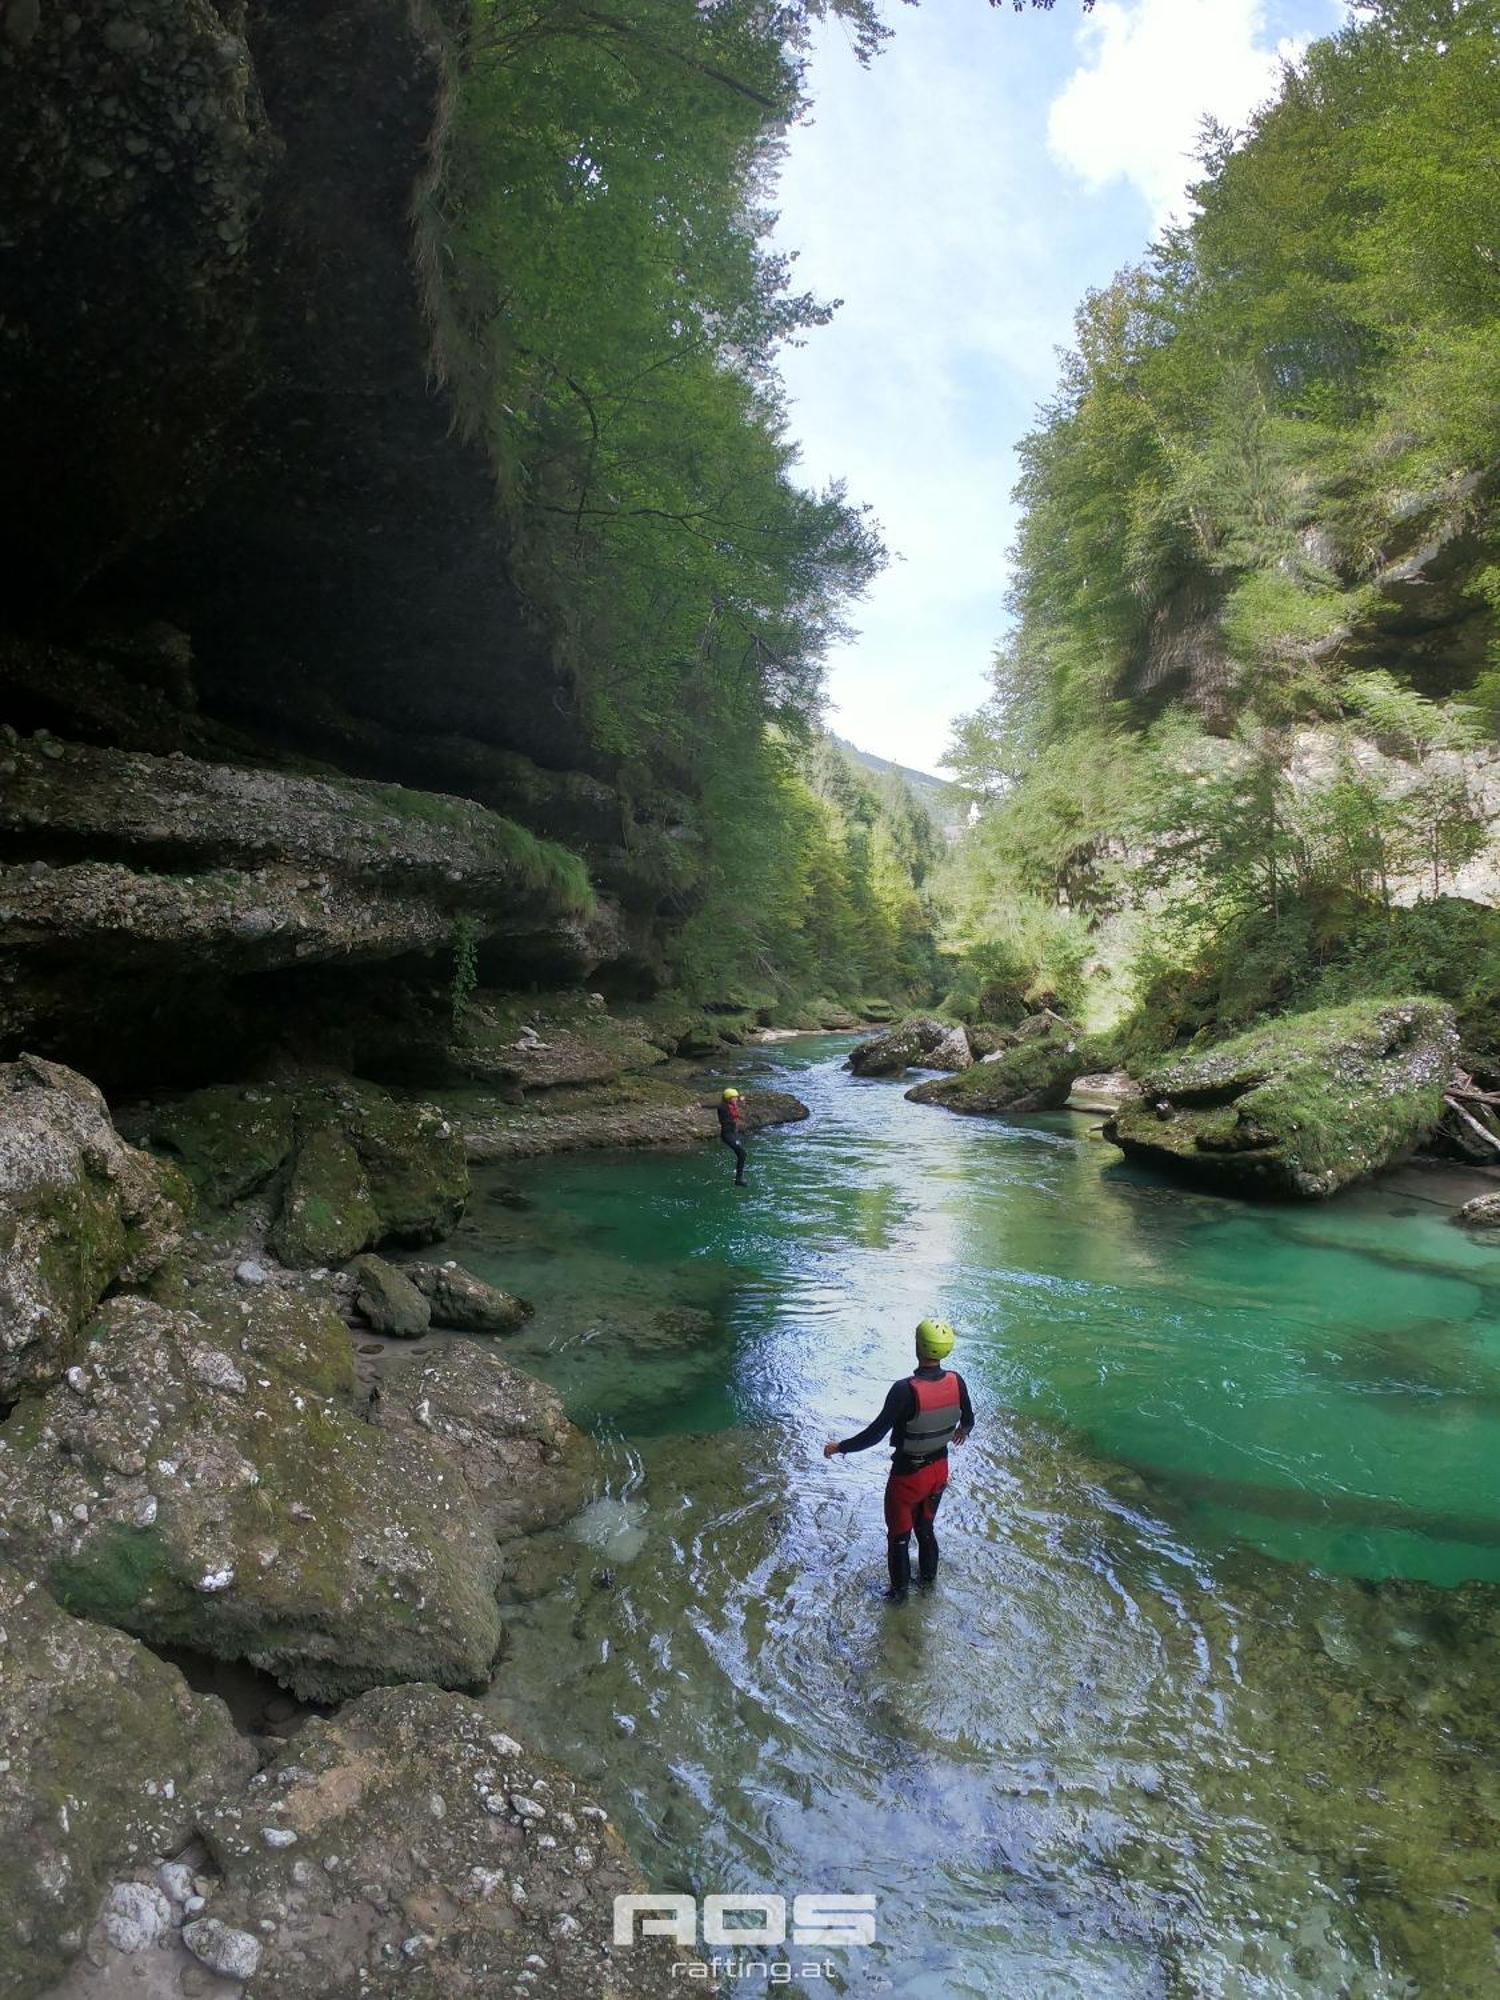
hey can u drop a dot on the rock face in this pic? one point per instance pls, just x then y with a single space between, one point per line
349 1167
407 1845
1105 1090
521 1461
1036 1075
458 1299
204 1478
952 1053
905 1046
106 1760
675 1120
79 1211
1301 1107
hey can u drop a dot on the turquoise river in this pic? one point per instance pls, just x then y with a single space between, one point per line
1207 1699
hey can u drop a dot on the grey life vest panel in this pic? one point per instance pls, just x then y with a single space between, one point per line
935 1419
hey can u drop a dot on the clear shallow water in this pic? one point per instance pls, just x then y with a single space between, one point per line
1187 1714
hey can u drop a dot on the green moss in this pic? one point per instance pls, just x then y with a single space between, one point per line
1034 1076
1303 1105
228 1141
326 1212
116 1574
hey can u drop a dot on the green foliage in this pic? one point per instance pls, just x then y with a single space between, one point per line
1287 400
607 316
465 968
815 881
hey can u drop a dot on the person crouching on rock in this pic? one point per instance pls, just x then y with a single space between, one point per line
924 1413
732 1131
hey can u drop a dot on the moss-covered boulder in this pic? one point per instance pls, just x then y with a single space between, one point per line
107 1759
79 1211
205 1478
347 1167
905 1046
1035 1075
458 1299
496 1871
327 1212
1301 1107
387 1300
229 1141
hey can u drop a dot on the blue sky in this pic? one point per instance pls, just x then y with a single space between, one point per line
960 196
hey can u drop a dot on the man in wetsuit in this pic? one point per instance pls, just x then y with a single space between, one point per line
732 1131
923 1413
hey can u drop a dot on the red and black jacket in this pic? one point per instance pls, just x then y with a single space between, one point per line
921 1412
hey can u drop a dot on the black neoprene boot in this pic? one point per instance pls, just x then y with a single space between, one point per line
898 1558
927 1559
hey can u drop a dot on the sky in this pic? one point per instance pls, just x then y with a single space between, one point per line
960 195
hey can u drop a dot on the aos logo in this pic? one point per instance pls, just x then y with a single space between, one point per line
841 1921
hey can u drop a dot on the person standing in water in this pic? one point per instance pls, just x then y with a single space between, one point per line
923 1414
732 1131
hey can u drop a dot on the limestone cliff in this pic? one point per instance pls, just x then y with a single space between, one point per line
249 558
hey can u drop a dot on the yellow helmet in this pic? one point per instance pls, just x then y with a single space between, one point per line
935 1338
731 1093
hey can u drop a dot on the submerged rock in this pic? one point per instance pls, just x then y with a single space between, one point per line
430 1853
1302 1106
387 1300
905 1046
1036 1075
458 1299
107 1759
79 1211
204 1479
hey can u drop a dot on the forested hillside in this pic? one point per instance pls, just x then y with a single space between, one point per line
1239 747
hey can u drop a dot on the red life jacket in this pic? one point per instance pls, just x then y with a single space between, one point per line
937 1416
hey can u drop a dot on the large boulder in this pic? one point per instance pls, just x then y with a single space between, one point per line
387 1300
1481 1212
952 1053
79 1211
107 1759
456 1298
1104 1090
906 1046
405 1844
521 1461
204 1478
1301 1107
1036 1075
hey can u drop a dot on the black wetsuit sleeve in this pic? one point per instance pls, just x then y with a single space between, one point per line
965 1407
900 1403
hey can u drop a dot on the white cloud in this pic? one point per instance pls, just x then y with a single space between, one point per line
1152 71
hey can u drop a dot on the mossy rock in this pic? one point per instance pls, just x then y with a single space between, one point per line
205 1479
327 1211
107 1760
79 1211
1301 1107
230 1141
1036 1075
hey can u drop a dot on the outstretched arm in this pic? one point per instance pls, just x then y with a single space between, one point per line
891 1412
965 1412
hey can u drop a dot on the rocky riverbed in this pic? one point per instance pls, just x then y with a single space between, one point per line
252 1470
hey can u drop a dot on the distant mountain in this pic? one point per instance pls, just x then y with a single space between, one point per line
942 800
